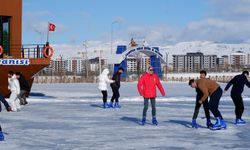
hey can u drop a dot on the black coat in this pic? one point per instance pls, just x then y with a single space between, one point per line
238 83
117 78
24 85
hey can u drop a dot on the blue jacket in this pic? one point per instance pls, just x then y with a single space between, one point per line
238 83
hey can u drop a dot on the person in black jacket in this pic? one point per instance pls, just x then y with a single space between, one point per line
115 88
238 83
24 88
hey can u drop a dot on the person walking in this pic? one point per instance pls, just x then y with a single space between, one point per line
238 83
24 88
147 89
14 87
115 86
102 85
199 95
212 89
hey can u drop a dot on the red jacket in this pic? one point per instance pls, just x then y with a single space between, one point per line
147 85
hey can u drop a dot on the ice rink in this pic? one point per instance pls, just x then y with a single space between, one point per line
69 117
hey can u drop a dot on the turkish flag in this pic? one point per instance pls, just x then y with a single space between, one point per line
52 27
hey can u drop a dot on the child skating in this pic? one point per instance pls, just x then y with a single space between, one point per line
103 80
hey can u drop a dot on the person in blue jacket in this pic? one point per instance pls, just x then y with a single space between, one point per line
8 108
238 83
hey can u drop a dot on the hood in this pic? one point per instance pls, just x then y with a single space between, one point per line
105 72
13 77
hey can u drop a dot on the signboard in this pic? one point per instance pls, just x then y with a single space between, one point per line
14 62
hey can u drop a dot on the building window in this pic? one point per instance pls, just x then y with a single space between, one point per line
5 34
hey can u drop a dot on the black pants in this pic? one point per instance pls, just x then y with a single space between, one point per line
145 109
214 103
239 105
197 108
116 94
104 96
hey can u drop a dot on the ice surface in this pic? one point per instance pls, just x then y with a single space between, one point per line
68 116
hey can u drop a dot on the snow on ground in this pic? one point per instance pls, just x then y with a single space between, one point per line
68 116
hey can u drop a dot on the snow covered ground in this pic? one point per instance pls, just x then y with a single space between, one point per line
68 116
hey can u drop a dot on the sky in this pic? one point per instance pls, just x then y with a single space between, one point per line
159 22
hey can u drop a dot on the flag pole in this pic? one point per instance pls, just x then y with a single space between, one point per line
47 34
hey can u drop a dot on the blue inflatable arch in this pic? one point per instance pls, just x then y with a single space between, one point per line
156 58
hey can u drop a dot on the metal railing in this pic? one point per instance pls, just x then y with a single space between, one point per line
32 51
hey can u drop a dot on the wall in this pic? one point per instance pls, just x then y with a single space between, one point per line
13 8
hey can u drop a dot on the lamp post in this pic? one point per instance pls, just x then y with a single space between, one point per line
61 67
167 64
99 60
111 35
86 58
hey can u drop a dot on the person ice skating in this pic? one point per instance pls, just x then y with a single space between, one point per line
14 87
238 83
8 108
115 88
24 88
199 95
147 88
103 80
5 103
212 89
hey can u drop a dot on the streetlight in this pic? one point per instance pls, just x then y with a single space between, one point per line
61 67
86 57
167 64
100 60
41 35
111 45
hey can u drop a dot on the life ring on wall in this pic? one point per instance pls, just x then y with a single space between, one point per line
1 50
46 53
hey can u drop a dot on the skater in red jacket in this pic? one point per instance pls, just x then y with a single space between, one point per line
147 88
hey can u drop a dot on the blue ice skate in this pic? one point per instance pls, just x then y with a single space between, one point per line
209 123
220 124
154 121
240 122
1 136
143 122
194 124
110 105
117 105
105 105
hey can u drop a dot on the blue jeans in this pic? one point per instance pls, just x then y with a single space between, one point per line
2 99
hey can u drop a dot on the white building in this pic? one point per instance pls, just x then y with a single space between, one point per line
248 59
133 62
238 59
194 62
58 65
75 65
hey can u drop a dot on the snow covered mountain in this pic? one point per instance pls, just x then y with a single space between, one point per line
206 47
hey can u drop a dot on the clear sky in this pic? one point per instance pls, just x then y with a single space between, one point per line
79 20
160 22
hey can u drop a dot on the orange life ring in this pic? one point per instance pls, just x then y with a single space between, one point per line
1 50
50 53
